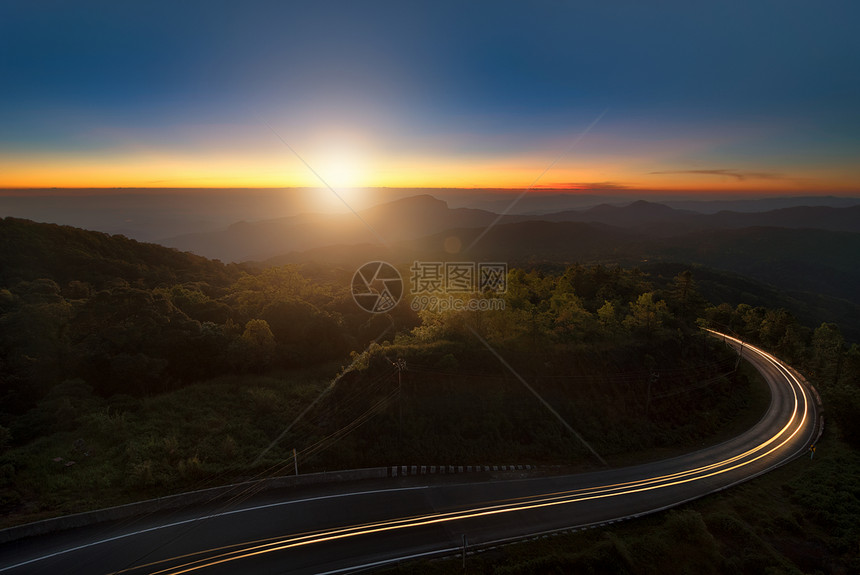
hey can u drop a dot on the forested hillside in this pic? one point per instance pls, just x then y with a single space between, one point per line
30 250
133 318
153 371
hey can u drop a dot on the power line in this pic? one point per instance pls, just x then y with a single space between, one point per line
537 395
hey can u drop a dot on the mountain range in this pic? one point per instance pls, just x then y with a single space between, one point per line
807 253
803 259
424 216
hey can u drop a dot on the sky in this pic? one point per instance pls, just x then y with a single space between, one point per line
751 97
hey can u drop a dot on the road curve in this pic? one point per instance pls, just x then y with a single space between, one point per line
337 529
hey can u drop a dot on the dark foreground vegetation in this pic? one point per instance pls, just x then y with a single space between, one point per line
130 371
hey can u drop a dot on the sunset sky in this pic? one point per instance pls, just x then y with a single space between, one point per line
736 97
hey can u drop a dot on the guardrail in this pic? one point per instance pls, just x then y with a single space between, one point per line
218 493
405 470
182 499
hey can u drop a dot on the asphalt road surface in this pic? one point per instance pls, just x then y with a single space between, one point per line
348 528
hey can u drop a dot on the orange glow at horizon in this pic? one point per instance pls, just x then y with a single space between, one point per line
343 170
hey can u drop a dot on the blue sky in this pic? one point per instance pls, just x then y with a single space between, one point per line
431 93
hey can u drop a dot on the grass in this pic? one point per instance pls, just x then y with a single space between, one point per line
125 449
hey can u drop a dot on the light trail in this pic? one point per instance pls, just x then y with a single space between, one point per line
796 423
795 409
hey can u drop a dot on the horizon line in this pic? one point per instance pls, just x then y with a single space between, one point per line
536 191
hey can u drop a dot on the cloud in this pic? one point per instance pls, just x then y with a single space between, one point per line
584 186
739 175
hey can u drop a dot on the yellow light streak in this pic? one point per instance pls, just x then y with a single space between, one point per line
255 548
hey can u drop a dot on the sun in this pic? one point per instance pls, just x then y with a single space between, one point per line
342 170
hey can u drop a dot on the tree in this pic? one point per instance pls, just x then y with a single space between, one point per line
774 326
571 319
258 344
646 315
720 317
827 344
749 320
685 296
608 316
793 344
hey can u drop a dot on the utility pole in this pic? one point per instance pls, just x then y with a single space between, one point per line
740 355
654 376
464 552
400 364
295 461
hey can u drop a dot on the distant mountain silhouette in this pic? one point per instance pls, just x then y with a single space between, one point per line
421 217
548 202
811 217
803 260
637 214
733 288
759 204
665 221
530 241
518 243
402 219
808 260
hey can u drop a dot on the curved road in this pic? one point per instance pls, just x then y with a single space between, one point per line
337 529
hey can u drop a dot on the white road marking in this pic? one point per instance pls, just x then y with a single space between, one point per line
204 517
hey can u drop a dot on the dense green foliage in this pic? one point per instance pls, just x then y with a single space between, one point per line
139 319
622 363
820 353
810 308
